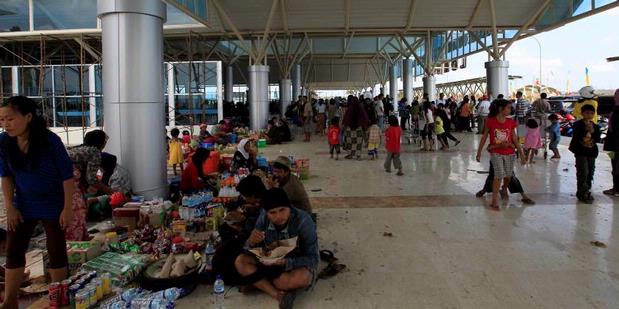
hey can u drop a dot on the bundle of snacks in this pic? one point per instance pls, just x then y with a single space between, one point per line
123 268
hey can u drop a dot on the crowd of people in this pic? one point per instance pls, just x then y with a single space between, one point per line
44 182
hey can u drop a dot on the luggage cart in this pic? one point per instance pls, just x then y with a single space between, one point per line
412 135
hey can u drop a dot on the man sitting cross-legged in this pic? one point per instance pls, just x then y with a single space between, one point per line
279 221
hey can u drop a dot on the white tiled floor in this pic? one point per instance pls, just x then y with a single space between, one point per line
453 252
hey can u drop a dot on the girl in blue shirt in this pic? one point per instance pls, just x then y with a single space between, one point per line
38 185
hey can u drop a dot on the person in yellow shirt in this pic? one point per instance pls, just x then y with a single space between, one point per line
176 156
440 132
588 98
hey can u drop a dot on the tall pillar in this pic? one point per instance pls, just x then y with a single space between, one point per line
407 79
132 46
171 97
285 95
92 100
429 86
258 96
393 85
15 80
296 81
229 87
497 79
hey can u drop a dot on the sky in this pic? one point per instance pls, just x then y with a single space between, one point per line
566 52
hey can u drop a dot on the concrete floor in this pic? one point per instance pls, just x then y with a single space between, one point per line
448 250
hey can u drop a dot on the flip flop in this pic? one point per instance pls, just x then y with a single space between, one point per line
480 194
528 201
328 256
331 270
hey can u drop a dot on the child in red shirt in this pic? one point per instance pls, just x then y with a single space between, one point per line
392 144
334 137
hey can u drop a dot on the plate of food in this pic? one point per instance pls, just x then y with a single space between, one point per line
272 254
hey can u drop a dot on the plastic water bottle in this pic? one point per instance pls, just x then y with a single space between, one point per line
209 251
171 294
219 289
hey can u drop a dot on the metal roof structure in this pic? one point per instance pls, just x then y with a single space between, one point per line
341 43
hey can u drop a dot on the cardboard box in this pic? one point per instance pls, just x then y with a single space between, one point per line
80 252
126 217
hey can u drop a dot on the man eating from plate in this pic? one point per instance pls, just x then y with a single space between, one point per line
277 223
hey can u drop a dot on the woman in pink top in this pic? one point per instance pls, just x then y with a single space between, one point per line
503 142
533 140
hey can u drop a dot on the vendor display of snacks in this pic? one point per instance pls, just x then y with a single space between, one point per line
123 268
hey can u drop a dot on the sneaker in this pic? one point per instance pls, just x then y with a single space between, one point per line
610 192
457 143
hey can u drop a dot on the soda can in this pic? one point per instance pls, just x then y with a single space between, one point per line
82 300
106 280
73 290
92 295
99 288
64 292
54 294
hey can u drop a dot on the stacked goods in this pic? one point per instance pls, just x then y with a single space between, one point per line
137 298
82 291
80 252
123 268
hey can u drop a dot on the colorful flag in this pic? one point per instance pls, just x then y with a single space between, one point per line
587 81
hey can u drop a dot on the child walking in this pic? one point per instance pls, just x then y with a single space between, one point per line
373 141
555 136
503 140
176 151
334 137
532 140
392 145
440 132
586 135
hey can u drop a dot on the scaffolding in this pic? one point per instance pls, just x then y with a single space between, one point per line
458 89
64 75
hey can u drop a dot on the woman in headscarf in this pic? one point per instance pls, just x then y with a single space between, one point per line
245 156
611 144
355 123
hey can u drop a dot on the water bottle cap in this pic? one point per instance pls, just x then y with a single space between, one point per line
219 277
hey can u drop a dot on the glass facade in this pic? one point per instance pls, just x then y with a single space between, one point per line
53 14
195 92
14 15
65 103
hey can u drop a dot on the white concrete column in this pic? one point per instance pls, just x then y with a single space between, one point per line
393 85
220 90
429 86
171 98
132 46
229 90
258 96
15 80
497 78
407 79
92 99
285 95
296 81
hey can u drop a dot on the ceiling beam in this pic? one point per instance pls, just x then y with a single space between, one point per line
284 8
411 15
223 16
474 15
347 44
479 41
539 12
347 12
495 42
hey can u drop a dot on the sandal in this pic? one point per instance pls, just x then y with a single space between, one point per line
331 270
528 201
480 194
495 207
328 256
